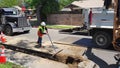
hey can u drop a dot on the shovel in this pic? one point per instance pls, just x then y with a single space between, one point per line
56 52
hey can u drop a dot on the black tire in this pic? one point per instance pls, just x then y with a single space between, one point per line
8 30
27 31
102 39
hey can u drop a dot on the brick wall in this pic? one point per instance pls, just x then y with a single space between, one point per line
65 19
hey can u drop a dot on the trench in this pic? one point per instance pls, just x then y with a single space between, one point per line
69 60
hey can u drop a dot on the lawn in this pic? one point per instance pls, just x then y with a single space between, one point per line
60 26
35 24
10 65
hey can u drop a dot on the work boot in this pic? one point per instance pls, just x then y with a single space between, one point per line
42 46
38 46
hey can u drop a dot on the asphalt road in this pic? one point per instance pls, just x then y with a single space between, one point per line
103 57
54 34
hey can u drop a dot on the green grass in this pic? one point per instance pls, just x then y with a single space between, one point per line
34 23
9 65
60 26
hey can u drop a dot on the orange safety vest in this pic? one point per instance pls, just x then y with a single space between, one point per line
40 33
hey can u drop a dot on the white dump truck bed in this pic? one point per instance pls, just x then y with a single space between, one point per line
101 19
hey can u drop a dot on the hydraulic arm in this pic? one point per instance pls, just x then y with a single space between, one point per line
116 25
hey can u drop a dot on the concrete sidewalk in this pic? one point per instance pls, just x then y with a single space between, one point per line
29 61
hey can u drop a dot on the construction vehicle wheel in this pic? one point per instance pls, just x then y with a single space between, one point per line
102 39
8 30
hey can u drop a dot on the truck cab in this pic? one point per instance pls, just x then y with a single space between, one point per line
12 20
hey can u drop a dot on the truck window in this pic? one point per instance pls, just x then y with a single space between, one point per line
9 13
11 19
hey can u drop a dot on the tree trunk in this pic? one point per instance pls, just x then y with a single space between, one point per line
38 14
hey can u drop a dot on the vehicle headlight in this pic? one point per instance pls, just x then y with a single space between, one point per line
15 22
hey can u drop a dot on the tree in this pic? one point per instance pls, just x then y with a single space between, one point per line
8 3
29 3
64 3
44 7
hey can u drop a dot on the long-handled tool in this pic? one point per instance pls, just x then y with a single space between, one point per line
56 52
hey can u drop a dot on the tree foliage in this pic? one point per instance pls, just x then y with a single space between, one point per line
29 3
9 3
61 3
44 7
64 3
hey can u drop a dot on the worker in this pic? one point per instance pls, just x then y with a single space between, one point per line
41 32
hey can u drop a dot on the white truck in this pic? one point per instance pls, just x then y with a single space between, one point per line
101 25
12 20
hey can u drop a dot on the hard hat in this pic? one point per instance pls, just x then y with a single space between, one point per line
43 24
